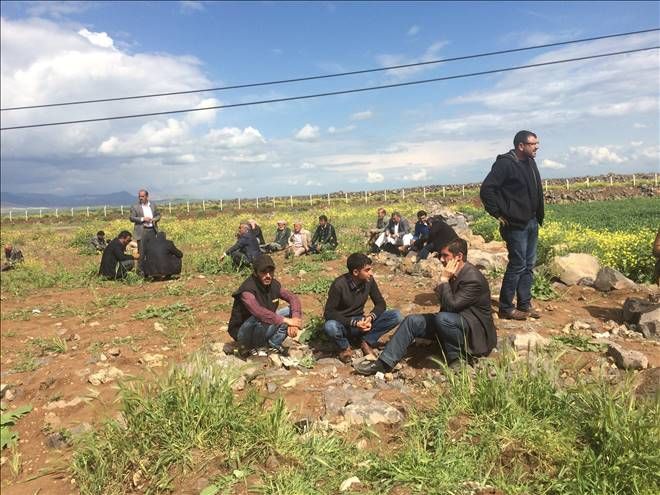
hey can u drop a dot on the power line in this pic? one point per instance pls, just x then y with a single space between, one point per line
333 93
328 76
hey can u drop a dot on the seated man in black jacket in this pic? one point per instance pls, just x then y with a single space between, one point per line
162 259
246 248
325 237
345 314
114 263
441 234
464 326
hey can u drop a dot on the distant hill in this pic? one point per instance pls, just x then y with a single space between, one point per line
8 200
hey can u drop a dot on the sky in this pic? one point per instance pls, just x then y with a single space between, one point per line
592 117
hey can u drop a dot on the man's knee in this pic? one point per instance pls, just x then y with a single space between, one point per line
414 324
333 329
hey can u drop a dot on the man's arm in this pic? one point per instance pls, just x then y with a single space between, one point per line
317 235
294 302
262 314
135 216
333 236
331 311
119 253
174 250
156 213
490 188
378 300
238 245
466 295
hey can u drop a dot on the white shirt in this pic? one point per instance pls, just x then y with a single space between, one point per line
146 211
297 240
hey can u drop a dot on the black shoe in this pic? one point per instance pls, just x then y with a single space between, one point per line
369 368
514 314
281 350
456 366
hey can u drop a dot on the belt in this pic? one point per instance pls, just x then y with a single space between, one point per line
147 227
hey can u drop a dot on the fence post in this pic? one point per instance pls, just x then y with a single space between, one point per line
105 210
121 208
365 196
546 183
273 202
71 212
345 197
463 190
220 205
291 200
170 207
567 186
310 200
634 181
57 213
88 211
188 206
587 182
26 214
328 199
444 191
40 215
203 205
239 203
386 195
424 192
403 194
656 180
611 181
10 218
257 201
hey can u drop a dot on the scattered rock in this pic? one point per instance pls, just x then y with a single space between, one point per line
51 423
152 360
114 351
61 404
239 384
93 324
9 395
371 413
3 388
580 325
649 323
348 483
105 375
57 440
627 359
635 307
529 341
272 463
574 267
271 387
610 279
80 429
488 261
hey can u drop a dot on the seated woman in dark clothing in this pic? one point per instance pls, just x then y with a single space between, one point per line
162 260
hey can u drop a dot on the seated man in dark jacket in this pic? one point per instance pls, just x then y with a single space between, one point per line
246 248
464 326
325 237
282 234
255 320
98 242
162 259
115 264
440 234
345 313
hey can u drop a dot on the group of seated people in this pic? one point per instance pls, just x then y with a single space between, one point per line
250 241
159 260
396 236
463 326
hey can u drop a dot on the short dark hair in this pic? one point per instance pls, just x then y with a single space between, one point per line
396 214
323 217
522 137
456 246
421 213
357 261
123 234
100 232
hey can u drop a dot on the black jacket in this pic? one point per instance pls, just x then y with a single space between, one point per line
162 258
441 233
248 245
325 235
346 300
113 254
267 297
468 294
513 190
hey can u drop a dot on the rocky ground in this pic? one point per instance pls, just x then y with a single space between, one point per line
63 352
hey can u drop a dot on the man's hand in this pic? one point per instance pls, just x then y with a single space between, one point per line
292 331
449 270
364 324
293 322
146 219
224 255
136 255
503 221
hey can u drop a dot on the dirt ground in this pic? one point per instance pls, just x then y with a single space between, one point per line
62 396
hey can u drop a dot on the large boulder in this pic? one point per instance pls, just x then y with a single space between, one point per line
486 260
627 359
430 267
610 279
575 268
372 413
649 323
635 307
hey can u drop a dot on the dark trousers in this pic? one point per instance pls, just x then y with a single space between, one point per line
148 235
521 244
379 327
448 328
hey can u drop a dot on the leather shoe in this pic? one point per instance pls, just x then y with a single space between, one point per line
531 312
366 348
515 314
346 356
369 368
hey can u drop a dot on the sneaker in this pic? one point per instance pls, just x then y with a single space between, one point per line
281 350
369 368
515 314
531 312
346 356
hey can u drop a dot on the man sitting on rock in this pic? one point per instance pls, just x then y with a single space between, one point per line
255 320
162 260
98 242
464 326
345 313
422 230
13 256
325 237
376 233
282 234
299 241
440 234
246 248
115 264
397 236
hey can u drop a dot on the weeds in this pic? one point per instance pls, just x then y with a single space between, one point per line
163 312
579 343
542 286
56 344
8 436
318 286
313 330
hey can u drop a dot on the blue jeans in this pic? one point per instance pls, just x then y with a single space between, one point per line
379 327
253 333
521 244
448 328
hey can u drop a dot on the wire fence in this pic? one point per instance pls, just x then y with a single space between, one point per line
198 207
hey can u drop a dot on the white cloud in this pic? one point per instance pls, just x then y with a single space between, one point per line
98 39
341 130
431 53
413 30
366 115
308 133
636 143
233 137
417 176
307 166
546 163
57 9
639 125
311 182
375 177
191 6
597 155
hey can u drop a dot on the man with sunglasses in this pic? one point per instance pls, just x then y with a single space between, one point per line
512 192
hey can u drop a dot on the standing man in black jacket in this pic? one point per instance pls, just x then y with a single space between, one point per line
464 325
512 192
114 263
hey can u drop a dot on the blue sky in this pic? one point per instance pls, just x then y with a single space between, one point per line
591 117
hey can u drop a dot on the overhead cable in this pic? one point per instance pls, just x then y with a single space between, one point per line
332 93
328 76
